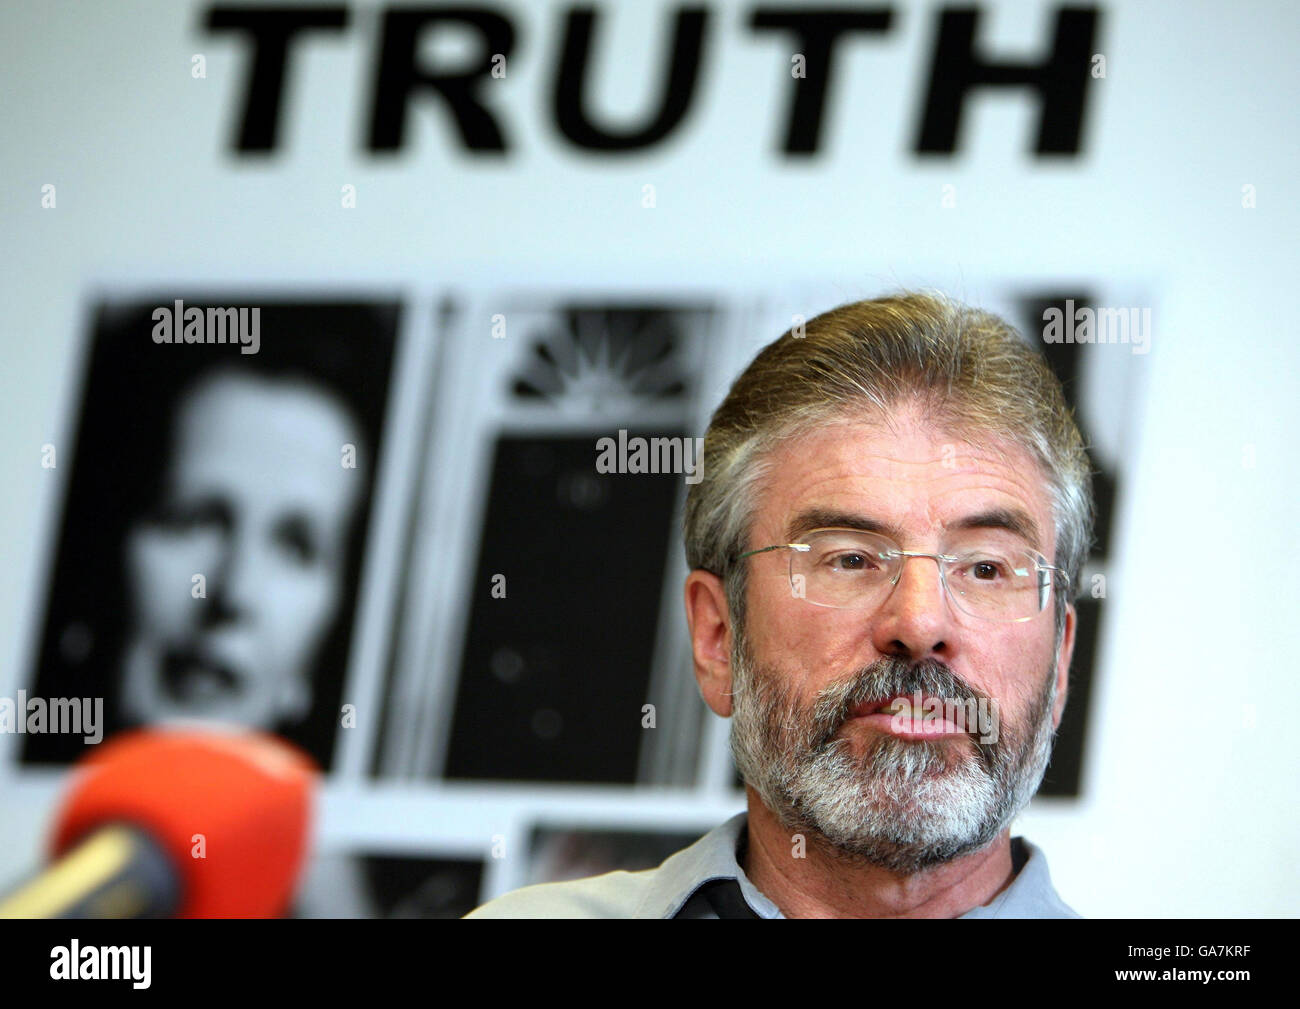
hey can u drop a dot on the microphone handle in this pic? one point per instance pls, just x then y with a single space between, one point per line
115 871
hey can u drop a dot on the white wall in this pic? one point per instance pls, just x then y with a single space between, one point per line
1190 798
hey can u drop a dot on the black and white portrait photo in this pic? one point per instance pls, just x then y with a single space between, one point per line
209 547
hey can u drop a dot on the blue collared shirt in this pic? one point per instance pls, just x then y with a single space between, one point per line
677 889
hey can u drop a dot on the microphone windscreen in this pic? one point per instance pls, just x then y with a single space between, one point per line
231 810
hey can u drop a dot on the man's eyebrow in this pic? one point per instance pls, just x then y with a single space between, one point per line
824 518
1014 520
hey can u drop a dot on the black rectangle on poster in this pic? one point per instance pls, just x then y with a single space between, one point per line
557 661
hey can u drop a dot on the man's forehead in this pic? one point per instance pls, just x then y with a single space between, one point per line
272 442
252 413
907 474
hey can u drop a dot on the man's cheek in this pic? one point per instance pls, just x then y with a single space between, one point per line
1010 667
805 640
169 583
300 610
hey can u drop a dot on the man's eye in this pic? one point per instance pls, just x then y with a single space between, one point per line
985 571
297 541
188 517
851 562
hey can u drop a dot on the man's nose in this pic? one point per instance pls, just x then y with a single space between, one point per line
238 578
916 620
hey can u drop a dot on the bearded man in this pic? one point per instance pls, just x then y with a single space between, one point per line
893 498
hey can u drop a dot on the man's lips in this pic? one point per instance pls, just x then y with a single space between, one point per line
192 679
902 717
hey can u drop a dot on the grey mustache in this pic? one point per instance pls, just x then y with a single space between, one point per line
887 677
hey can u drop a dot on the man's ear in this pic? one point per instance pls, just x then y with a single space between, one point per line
710 623
1063 665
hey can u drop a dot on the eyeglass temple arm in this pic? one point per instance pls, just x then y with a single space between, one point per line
801 547
1060 571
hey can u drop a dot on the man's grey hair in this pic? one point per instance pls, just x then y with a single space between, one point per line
970 373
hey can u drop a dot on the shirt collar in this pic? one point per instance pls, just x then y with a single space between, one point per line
714 856
711 857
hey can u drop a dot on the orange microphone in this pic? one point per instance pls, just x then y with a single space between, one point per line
171 823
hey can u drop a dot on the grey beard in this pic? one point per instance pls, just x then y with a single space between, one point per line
902 805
